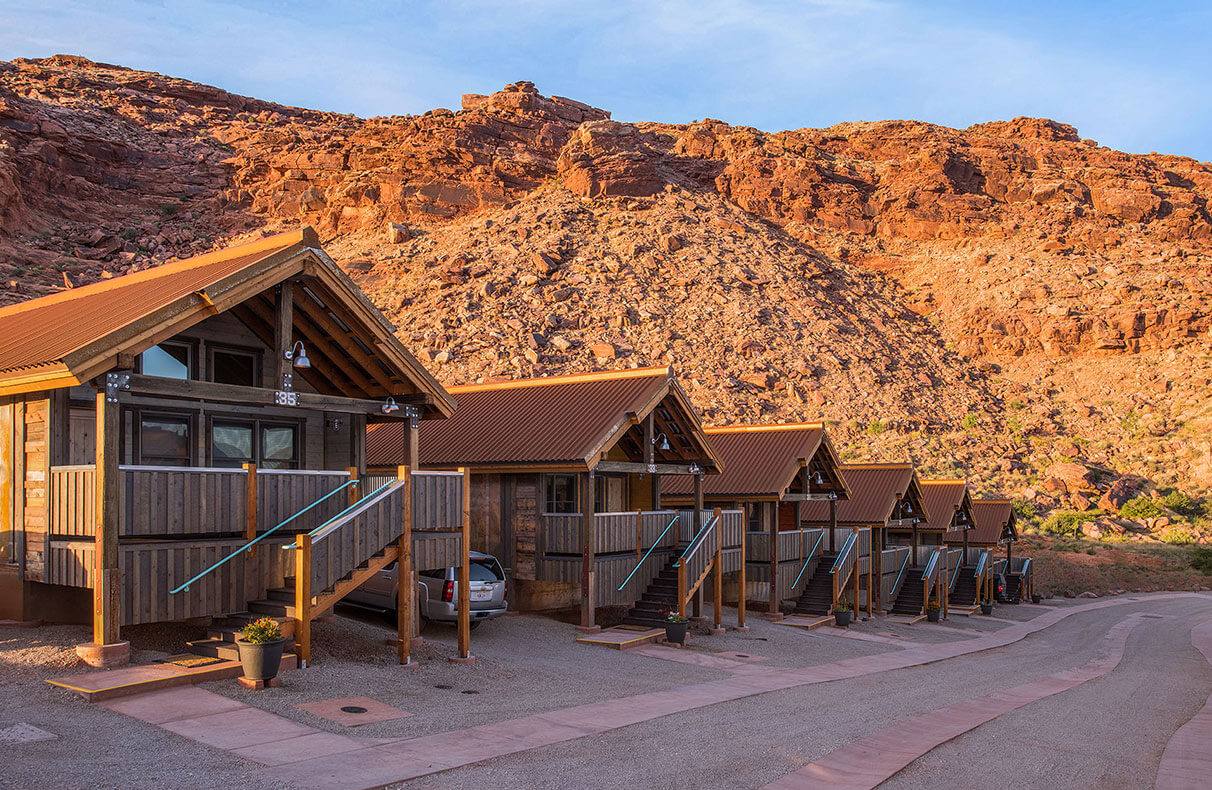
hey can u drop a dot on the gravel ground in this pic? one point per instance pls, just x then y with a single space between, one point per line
95 748
750 742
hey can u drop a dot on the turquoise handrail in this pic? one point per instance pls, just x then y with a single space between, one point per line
697 539
930 565
896 585
845 547
644 559
811 554
980 566
352 507
261 537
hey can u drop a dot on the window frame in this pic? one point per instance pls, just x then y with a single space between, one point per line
191 353
257 424
548 490
138 415
249 351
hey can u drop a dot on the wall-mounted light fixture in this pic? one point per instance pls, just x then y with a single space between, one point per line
390 406
297 354
817 479
662 443
335 424
695 469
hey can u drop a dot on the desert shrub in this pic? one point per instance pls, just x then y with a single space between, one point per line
1182 504
1024 510
1201 559
1063 522
1014 403
969 421
1140 507
876 427
1178 536
1091 551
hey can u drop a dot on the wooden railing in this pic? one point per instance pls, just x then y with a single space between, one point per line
954 563
614 533
843 566
701 555
895 563
283 492
352 538
73 500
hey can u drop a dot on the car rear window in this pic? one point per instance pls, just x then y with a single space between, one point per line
485 571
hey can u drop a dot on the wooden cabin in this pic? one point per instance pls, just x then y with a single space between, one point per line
769 472
950 508
995 524
887 500
188 441
567 475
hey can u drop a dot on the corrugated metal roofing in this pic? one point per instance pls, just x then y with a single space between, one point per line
989 516
556 420
758 460
941 498
43 331
873 492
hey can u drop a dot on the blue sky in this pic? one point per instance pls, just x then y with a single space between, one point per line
1132 75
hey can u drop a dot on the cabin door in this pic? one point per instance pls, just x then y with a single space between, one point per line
505 547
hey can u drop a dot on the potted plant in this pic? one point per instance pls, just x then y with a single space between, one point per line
986 606
675 627
933 611
260 644
1036 597
841 614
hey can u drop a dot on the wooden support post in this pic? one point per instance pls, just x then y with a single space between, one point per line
283 336
945 583
404 586
250 507
107 582
639 535
914 543
588 548
698 525
717 601
681 588
355 492
871 555
656 492
742 585
465 571
303 598
832 525
854 603
772 529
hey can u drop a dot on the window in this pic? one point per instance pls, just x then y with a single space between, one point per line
269 446
231 444
753 517
231 366
167 360
561 494
164 441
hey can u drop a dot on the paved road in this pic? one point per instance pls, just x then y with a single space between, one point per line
1108 733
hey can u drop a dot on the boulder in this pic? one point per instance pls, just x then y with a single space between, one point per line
1075 476
1117 494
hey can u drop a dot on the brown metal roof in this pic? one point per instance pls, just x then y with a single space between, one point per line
942 498
759 460
874 489
991 516
42 332
559 420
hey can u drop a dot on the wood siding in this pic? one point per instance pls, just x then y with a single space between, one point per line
282 493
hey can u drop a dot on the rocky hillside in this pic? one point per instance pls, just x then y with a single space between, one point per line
990 301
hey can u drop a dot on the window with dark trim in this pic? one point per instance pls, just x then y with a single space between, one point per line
169 360
753 516
561 494
235 366
268 445
165 440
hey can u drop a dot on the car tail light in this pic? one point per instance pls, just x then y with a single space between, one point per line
448 592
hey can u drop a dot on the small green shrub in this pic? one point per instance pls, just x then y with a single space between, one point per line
1201 559
1014 404
876 427
969 421
1140 507
1182 504
169 209
1024 510
1063 522
1178 536
1091 551
261 631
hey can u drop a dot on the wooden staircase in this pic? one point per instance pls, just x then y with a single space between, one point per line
817 595
965 592
220 639
911 600
660 597
1014 588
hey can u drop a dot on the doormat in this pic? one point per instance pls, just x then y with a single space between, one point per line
629 627
190 661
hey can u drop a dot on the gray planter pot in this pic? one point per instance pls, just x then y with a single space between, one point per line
842 619
676 632
933 615
986 608
261 661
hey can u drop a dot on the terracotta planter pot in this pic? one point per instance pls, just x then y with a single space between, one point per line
676 632
260 661
842 618
933 615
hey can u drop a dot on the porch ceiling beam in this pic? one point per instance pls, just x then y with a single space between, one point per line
256 396
635 468
313 312
807 497
261 324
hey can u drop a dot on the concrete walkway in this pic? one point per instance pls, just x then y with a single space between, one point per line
867 763
1187 762
307 758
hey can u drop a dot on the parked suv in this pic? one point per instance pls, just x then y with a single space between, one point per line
438 590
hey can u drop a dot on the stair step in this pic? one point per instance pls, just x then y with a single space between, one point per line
272 608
